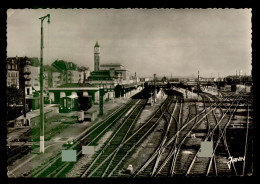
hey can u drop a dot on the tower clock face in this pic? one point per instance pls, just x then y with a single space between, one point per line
96 50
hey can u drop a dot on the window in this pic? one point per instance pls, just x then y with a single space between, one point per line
12 74
69 102
64 103
72 103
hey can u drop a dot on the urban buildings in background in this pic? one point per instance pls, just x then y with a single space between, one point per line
24 73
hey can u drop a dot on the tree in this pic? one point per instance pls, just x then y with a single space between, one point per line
14 95
164 79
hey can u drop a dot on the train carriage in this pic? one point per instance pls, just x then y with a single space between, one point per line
68 104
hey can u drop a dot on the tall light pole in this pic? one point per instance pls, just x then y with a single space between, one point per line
41 89
198 85
154 87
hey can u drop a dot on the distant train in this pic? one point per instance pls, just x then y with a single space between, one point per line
74 103
68 104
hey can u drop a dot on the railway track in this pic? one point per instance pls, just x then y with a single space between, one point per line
54 167
182 157
129 144
15 153
178 151
159 155
214 165
109 154
171 119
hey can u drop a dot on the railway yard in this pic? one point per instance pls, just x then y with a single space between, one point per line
136 139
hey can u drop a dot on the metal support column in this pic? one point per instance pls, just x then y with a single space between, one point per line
101 95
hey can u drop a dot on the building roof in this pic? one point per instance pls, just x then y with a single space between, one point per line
101 74
111 65
33 60
82 68
96 45
75 85
10 59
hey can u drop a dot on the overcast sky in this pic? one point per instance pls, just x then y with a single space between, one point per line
149 41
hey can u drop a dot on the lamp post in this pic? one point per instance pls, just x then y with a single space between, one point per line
198 85
41 88
154 88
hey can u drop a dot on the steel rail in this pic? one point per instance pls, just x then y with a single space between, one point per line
106 146
65 165
156 151
175 148
173 138
133 122
140 139
147 131
194 158
45 166
162 147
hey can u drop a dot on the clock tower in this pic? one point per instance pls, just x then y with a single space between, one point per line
96 57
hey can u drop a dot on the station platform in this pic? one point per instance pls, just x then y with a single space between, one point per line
92 113
49 109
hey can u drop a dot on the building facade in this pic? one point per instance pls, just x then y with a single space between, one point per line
110 74
31 72
84 73
12 73
68 72
119 69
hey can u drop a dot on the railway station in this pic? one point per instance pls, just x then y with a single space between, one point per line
129 93
180 118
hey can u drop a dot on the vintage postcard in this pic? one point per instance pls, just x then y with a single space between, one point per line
129 93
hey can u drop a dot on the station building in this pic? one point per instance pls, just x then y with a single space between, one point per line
109 74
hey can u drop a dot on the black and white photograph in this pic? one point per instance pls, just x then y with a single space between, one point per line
129 93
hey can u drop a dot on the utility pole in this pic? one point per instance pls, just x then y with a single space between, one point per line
198 84
154 88
41 89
